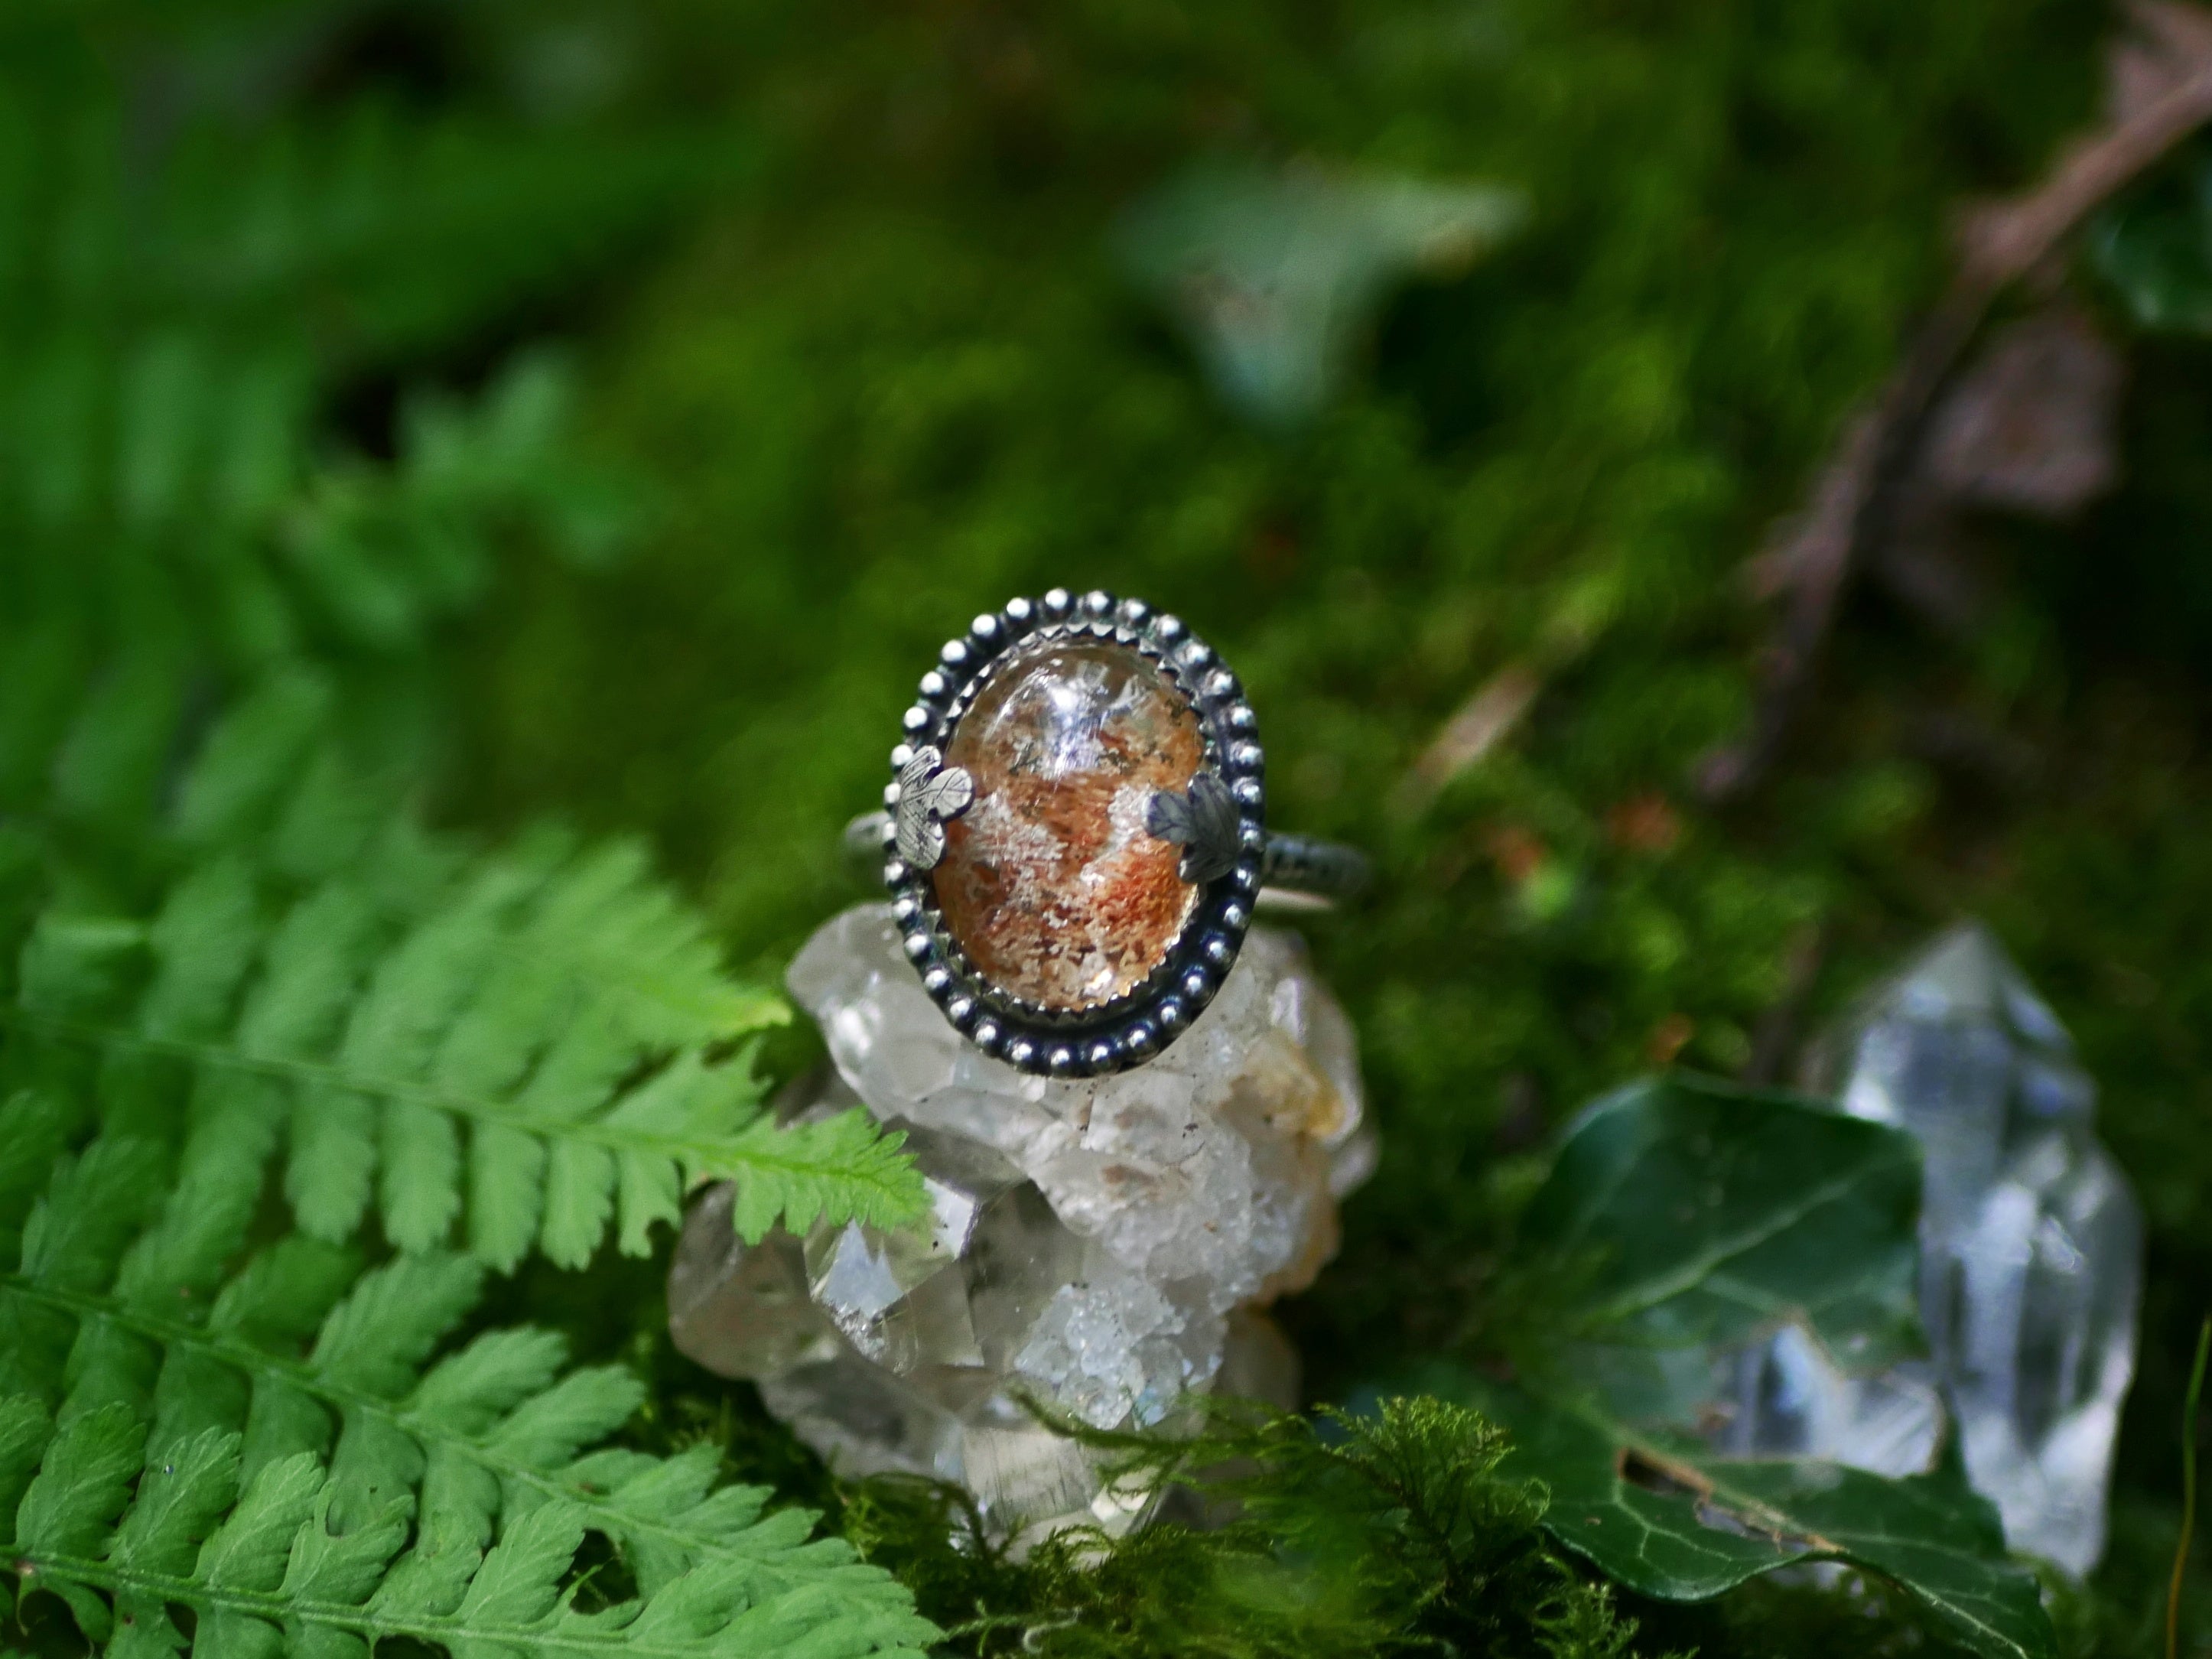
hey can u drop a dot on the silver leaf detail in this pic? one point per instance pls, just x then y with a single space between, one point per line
1202 820
930 794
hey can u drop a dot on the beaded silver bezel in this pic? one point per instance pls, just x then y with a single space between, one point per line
1145 1021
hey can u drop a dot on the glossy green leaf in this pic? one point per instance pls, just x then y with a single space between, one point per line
1660 1515
1683 1217
1683 1213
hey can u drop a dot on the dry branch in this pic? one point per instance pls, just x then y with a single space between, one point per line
2161 79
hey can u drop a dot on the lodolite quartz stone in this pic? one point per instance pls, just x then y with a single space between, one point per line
1102 1246
1051 881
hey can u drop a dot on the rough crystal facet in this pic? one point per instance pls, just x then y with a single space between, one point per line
1100 1246
1050 880
2031 1260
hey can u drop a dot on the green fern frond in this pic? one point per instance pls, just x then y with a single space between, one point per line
174 315
358 229
272 1446
411 229
179 528
378 555
534 1044
112 639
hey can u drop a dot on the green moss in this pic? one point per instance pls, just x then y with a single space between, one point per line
1386 1533
905 382
884 374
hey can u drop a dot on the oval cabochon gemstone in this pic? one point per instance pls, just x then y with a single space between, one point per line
1051 881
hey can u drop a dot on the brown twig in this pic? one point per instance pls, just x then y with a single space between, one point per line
1856 502
1481 723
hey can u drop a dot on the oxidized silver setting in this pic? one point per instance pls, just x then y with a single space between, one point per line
1217 820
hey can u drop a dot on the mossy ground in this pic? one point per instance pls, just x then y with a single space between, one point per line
895 378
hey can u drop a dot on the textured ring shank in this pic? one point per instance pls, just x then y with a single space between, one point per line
1293 864
1306 864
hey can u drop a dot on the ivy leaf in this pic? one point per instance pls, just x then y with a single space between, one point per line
1683 1213
1682 1218
1661 1515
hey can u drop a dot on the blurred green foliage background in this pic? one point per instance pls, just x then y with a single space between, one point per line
848 355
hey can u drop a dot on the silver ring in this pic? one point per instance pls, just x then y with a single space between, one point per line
1073 835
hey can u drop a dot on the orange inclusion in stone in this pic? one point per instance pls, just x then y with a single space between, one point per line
1051 881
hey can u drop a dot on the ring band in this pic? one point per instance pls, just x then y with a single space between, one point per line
1301 867
1072 838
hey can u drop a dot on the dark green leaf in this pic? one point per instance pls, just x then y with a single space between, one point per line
1683 1213
1682 1218
1662 1516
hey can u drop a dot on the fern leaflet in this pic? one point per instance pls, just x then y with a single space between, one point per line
534 1045
271 1446
540 1029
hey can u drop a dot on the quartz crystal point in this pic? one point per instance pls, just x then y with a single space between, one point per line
2030 1247
1099 1246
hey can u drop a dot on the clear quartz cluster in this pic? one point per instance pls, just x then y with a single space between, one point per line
1100 1246
2031 1260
